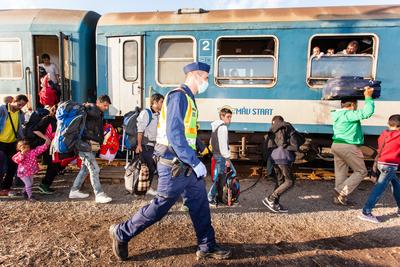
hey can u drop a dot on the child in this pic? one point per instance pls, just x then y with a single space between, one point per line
221 153
27 163
388 162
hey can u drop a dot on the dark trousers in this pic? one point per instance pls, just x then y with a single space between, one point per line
147 155
9 150
52 169
169 191
284 180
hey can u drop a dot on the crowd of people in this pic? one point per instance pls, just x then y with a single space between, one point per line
351 49
168 131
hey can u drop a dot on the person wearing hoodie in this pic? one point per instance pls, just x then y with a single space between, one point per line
388 163
347 139
280 147
221 153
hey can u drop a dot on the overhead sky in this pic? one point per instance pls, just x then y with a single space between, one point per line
104 6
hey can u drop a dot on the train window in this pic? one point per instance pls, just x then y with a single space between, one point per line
332 56
172 55
10 59
246 61
130 50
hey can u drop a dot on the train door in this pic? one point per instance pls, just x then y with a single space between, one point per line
57 48
124 73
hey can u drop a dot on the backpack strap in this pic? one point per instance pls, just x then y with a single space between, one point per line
150 113
12 123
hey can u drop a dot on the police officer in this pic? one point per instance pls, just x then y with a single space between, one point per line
179 170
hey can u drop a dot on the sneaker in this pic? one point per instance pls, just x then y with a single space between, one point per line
4 192
217 253
271 205
341 200
368 218
151 192
120 249
102 198
213 203
45 189
281 209
77 194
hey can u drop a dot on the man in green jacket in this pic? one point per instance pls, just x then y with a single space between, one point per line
347 139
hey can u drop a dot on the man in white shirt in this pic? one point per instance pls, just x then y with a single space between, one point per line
147 133
50 68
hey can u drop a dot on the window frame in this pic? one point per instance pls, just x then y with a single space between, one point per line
374 55
275 56
20 60
157 59
123 61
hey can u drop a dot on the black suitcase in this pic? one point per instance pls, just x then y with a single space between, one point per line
349 87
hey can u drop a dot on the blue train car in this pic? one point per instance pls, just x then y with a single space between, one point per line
67 36
262 61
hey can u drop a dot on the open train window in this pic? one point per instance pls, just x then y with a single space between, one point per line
331 56
173 53
130 50
10 59
246 61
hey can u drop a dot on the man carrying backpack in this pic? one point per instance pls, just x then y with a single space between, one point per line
282 141
147 132
221 153
93 135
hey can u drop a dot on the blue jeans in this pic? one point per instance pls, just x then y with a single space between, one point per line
89 164
219 169
388 175
168 192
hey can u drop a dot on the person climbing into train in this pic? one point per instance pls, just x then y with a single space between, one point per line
347 139
179 169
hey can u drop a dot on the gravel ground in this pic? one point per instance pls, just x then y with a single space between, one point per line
55 231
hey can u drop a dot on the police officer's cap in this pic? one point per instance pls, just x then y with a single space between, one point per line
196 66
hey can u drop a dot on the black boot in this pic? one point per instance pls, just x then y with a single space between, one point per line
119 248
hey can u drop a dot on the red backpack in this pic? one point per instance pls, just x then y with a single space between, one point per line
109 148
47 95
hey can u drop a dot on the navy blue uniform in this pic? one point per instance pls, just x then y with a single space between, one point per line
171 188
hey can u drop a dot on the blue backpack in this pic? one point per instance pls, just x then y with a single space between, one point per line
71 118
130 127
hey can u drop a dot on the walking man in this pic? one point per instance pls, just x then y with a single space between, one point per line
179 170
347 138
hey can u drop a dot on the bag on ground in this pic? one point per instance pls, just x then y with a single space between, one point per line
349 87
228 188
137 180
130 127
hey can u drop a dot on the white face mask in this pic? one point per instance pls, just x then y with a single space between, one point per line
203 87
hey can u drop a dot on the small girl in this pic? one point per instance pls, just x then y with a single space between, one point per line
27 163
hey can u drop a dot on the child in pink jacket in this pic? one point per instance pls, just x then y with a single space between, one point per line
27 163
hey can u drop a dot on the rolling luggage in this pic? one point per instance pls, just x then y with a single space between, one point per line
349 87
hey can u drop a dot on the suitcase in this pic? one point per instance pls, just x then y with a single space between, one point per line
349 87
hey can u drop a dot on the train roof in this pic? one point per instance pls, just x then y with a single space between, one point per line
254 15
28 19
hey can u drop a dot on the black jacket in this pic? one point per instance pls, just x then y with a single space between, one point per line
279 145
94 124
42 127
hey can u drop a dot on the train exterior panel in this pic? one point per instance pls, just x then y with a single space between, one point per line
289 94
66 35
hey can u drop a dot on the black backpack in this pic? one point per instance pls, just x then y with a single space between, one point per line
34 119
129 126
